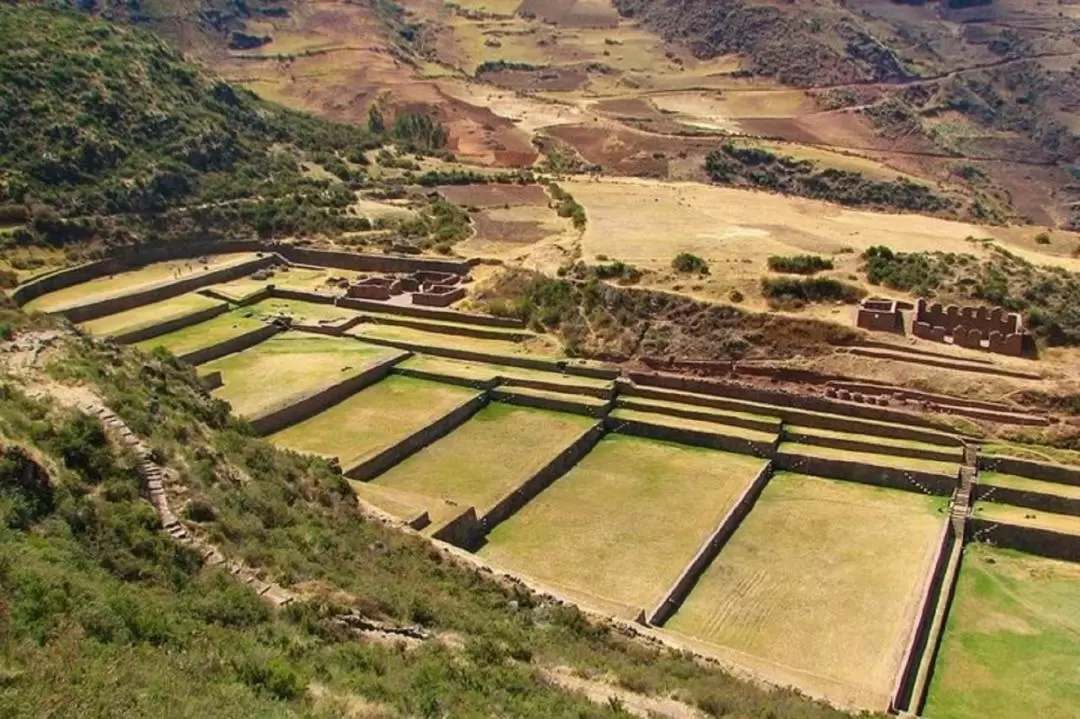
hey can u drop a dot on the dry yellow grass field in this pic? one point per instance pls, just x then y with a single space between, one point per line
605 533
819 585
647 223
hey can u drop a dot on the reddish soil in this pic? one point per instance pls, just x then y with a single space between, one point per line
549 79
572 13
621 151
489 230
495 195
627 107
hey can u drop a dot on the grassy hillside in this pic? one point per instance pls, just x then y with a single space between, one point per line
102 615
107 133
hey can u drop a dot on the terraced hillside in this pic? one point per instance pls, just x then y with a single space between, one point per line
515 457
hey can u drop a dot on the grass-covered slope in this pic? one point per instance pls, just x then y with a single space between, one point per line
99 120
102 615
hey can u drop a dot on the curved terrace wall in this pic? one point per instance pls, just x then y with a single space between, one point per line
233 344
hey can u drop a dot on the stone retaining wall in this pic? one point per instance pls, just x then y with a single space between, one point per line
761 425
1041 542
112 305
680 589
439 299
879 389
461 531
556 404
590 391
297 410
1053 503
127 259
796 416
432 314
854 445
280 293
233 344
370 263
930 483
150 331
373 466
211 380
943 362
786 400
431 376
476 331
938 588
696 438
524 493
1032 470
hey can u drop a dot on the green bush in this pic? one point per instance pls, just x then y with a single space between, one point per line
687 263
799 264
789 291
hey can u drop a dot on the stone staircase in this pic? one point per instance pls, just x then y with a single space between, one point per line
154 480
961 506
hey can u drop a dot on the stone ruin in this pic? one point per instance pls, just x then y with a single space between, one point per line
981 328
432 289
879 315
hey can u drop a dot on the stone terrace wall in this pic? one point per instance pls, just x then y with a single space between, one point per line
938 588
461 531
373 466
696 438
112 305
297 410
280 293
524 493
880 316
1024 498
680 589
1041 542
127 259
906 479
786 400
969 326
879 389
1033 470
544 385
776 408
475 331
233 344
431 314
555 404
432 376
854 445
211 380
439 299
177 323
761 425
370 263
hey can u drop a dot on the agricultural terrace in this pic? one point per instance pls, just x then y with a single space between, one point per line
869 457
710 427
195 337
287 367
1024 517
408 335
819 586
311 313
1012 641
293 278
487 457
484 372
617 530
373 419
124 283
1025 484
147 315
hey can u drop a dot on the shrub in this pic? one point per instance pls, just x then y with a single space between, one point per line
1043 238
799 264
688 263
782 291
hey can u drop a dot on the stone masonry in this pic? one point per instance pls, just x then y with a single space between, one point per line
983 328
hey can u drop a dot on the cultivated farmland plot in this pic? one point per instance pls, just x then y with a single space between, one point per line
488 456
373 419
287 366
617 530
147 315
131 281
1012 642
195 337
819 586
